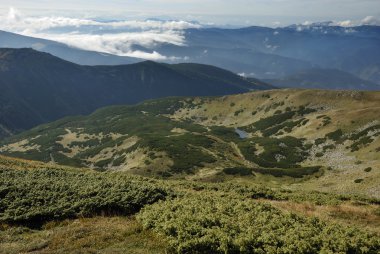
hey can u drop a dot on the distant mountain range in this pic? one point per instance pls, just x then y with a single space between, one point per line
75 55
325 79
38 87
261 52
285 51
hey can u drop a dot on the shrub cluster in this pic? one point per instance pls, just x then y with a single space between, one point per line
292 172
36 196
212 224
242 171
291 150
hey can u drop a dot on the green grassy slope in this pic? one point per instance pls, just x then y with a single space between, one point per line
51 209
37 87
329 138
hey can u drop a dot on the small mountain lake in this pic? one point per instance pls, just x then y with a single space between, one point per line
242 134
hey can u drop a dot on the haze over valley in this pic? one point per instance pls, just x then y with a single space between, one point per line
263 52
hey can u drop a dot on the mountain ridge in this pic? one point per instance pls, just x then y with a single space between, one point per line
61 50
38 87
260 52
319 78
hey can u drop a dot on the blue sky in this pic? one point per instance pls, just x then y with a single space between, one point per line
235 12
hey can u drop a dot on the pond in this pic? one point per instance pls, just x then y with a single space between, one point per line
242 134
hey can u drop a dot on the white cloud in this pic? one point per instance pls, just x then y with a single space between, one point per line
369 20
117 43
345 23
247 75
114 37
13 14
149 56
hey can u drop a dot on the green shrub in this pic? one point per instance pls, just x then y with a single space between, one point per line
363 133
185 150
361 142
265 123
359 180
326 120
292 172
212 224
117 162
36 196
304 122
286 126
335 135
225 133
152 155
103 163
319 154
238 112
238 171
369 169
291 149
329 147
303 110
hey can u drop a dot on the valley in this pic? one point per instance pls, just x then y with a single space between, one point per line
320 55
315 139
290 168
37 87
189 127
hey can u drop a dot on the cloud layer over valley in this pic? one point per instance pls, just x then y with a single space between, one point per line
114 37
132 38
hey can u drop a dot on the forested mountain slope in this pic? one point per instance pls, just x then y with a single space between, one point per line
37 87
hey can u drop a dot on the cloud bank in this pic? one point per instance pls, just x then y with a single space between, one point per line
113 37
133 38
369 21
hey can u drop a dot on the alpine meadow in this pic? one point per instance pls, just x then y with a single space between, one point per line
190 127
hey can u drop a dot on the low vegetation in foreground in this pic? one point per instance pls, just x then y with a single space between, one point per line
51 209
287 171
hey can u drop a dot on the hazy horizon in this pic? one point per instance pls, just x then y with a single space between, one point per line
214 12
114 27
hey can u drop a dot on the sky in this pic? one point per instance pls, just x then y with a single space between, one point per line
219 12
116 26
